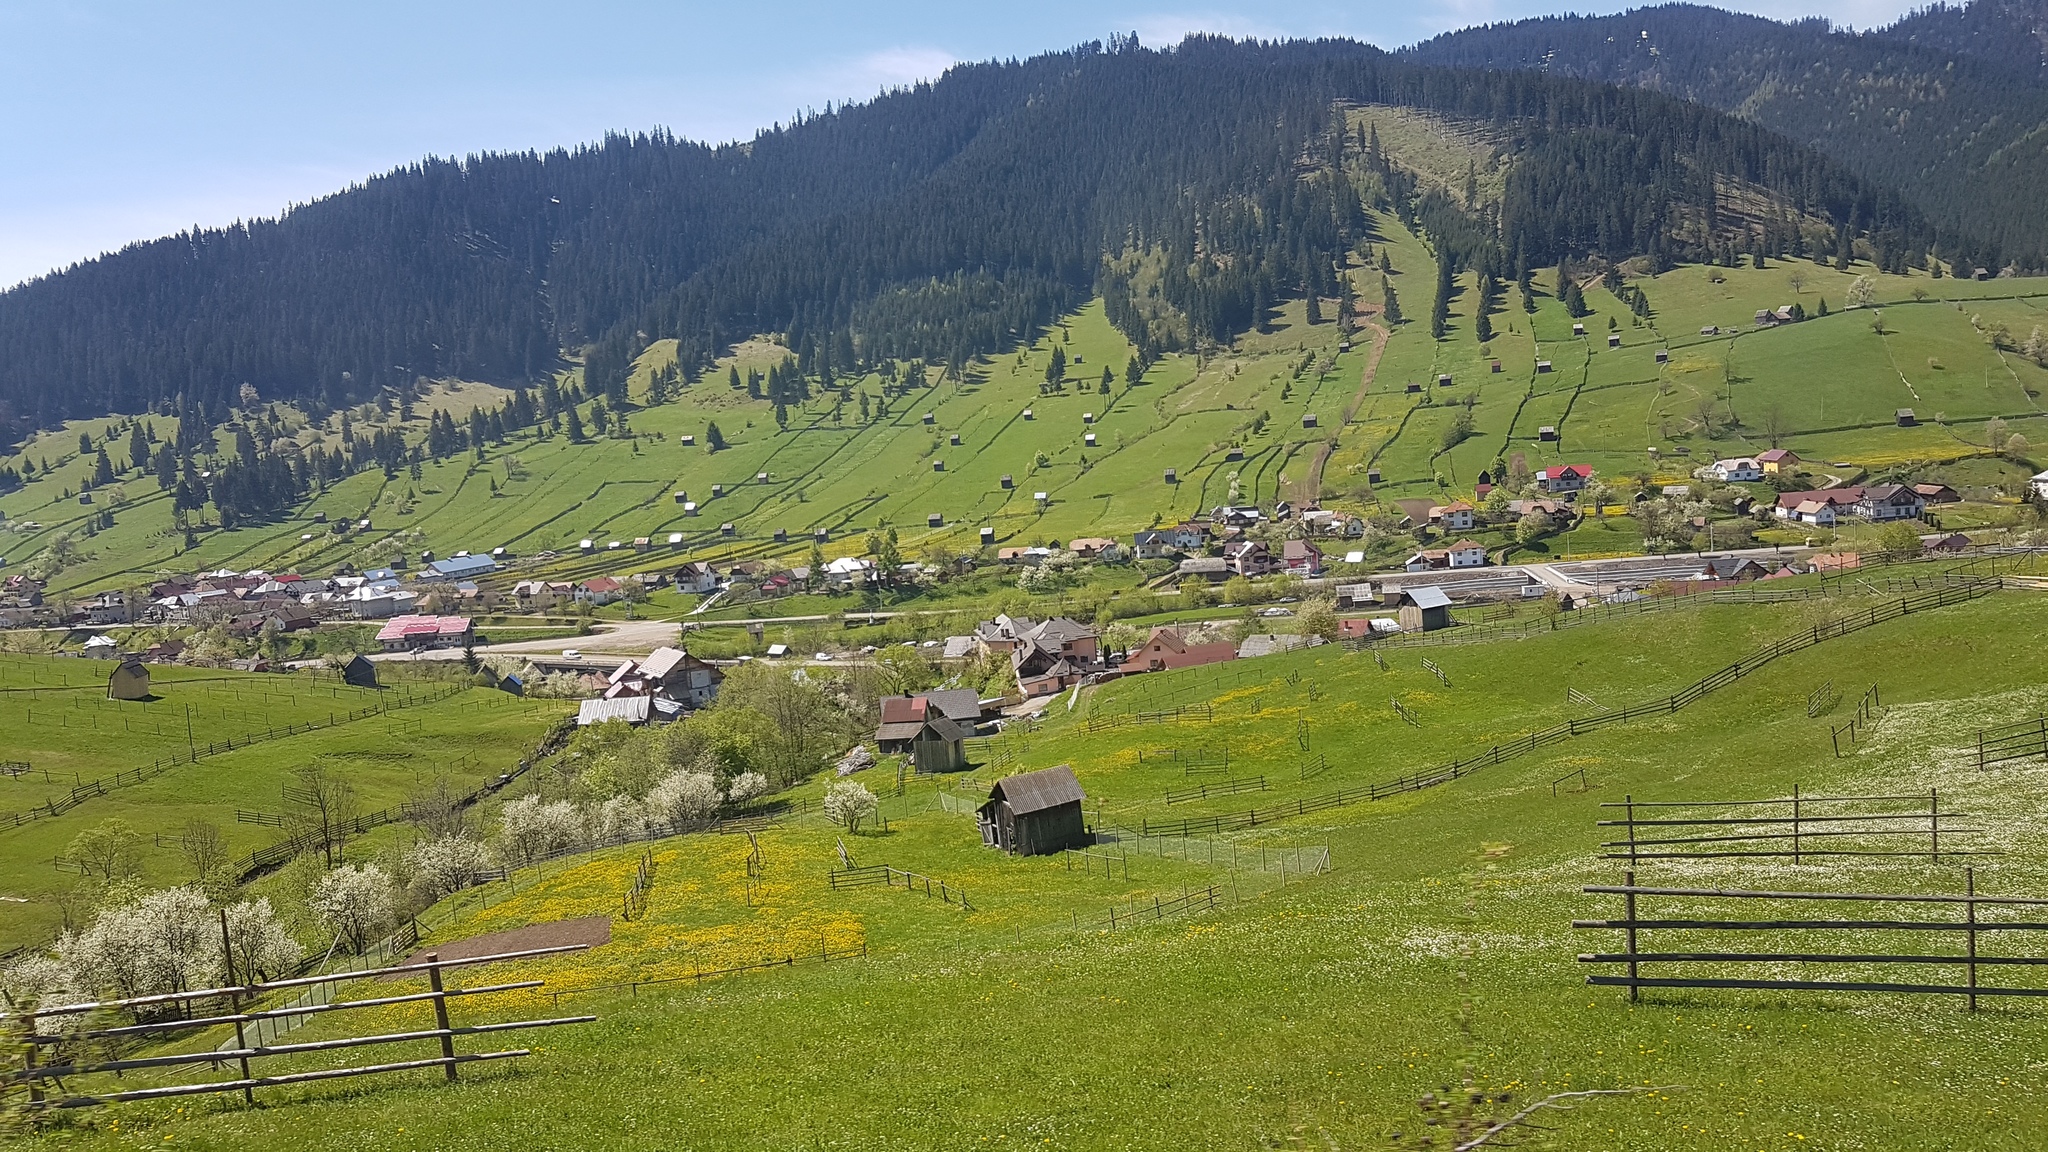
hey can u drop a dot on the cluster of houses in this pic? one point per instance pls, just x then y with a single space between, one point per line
1879 503
667 684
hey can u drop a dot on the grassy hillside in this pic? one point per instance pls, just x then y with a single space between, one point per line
1827 388
1316 1011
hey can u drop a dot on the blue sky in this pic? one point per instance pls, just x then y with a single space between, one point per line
124 121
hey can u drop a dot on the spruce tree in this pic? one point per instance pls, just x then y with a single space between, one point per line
575 427
714 438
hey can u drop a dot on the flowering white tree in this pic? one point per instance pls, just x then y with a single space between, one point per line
618 819
37 979
446 864
163 942
529 829
746 786
263 948
354 902
1862 292
683 797
849 802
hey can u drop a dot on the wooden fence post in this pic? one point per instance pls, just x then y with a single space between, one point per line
1970 910
441 1013
1628 878
1795 823
227 953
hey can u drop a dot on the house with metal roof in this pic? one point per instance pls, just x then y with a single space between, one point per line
460 568
1035 813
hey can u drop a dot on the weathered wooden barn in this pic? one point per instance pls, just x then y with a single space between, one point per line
1035 813
359 672
1424 609
128 681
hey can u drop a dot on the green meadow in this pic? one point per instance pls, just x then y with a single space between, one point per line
1310 1012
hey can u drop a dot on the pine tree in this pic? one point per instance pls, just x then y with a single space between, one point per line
138 448
1108 379
714 438
102 469
1393 308
575 427
1056 369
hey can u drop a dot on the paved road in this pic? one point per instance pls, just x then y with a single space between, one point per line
632 638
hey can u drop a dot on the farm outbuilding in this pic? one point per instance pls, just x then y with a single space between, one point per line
1905 419
128 681
359 672
1035 813
1424 609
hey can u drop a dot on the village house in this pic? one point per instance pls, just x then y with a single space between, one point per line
1883 502
1564 479
1166 649
1778 461
1736 470
1937 494
1213 569
2038 484
1951 543
1034 813
1055 655
1301 558
1730 569
1152 544
1248 558
1457 517
414 633
1192 537
1818 513
1090 547
599 591
930 728
1841 500
682 677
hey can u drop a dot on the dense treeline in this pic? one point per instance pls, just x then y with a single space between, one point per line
1929 106
1204 183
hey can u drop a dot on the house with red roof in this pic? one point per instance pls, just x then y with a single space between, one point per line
1565 478
600 590
415 633
1166 649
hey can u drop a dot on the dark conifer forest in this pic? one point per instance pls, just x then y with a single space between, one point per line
1949 106
936 222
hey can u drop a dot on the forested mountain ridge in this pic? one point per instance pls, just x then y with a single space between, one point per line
2012 33
1944 106
937 222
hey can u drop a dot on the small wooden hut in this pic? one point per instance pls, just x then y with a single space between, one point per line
359 672
128 681
1035 813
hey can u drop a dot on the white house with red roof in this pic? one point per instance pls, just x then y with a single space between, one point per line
1564 478
599 590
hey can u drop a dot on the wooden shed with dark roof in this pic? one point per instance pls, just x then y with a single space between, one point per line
128 681
1035 813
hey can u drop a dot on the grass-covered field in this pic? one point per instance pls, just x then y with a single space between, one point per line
1828 388
1312 1014
463 739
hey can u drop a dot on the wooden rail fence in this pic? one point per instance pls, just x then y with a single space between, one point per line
1220 788
45 1058
1974 927
868 875
1869 710
2012 742
1796 827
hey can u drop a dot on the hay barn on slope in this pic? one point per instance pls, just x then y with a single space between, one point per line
1035 813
